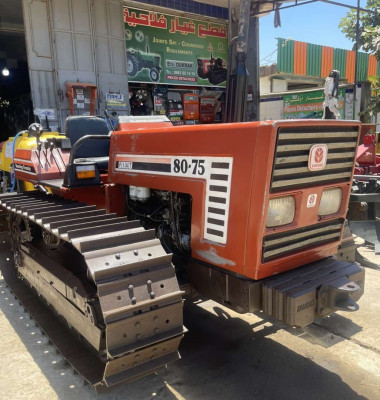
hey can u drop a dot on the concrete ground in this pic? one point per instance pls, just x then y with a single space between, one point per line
224 356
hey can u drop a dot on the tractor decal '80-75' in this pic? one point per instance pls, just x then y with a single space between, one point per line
215 171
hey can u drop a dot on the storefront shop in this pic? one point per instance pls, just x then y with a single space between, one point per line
81 58
176 63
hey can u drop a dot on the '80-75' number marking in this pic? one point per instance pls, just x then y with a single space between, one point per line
184 166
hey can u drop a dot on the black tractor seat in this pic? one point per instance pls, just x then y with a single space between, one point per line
92 150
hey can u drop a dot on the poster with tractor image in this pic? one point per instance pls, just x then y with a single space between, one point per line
163 48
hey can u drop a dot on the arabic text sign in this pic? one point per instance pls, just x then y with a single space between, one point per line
309 105
163 48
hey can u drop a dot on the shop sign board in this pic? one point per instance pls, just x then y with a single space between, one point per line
309 104
164 48
115 100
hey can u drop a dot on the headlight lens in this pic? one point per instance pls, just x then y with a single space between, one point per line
280 211
330 201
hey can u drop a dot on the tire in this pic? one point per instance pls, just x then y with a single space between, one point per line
154 74
132 65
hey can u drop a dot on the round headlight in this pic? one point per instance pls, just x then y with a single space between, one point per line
280 211
330 201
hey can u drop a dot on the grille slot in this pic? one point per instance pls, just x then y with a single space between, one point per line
290 169
301 239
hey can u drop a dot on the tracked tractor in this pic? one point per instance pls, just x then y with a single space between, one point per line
212 69
247 214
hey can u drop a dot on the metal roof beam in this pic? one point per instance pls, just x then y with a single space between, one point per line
11 28
335 3
273 3
302 3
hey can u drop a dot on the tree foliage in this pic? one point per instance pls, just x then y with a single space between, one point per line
369 28
369 40
373 107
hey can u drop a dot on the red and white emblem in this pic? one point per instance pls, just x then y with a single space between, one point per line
318 157
312 200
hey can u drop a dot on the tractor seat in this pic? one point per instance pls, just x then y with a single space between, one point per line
92 150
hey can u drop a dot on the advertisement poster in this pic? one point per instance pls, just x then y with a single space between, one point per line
309 105
115 100
163 48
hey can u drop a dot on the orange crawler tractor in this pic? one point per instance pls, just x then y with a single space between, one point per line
250 214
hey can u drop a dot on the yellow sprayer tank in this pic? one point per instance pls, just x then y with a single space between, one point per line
24 141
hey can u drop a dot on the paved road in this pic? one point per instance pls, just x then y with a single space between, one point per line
225 356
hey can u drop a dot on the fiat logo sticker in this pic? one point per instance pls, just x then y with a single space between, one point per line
318 157
312 200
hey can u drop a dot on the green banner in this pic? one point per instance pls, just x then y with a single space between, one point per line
163 48
309 105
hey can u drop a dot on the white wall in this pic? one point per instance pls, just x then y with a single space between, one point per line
70 41
268 84
279 85
265 84
271 109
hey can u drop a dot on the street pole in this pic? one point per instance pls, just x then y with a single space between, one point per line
241 56
253 67
357 31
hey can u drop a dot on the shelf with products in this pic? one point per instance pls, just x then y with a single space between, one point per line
181 104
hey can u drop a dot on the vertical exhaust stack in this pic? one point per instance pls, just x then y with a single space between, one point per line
237 83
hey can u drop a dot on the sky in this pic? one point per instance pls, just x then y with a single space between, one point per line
315 23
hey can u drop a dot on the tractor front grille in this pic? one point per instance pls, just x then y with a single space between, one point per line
290 169
285 243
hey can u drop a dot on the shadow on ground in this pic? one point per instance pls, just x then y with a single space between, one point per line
327 331
223 358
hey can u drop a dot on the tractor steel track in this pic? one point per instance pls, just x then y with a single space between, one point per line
107 277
